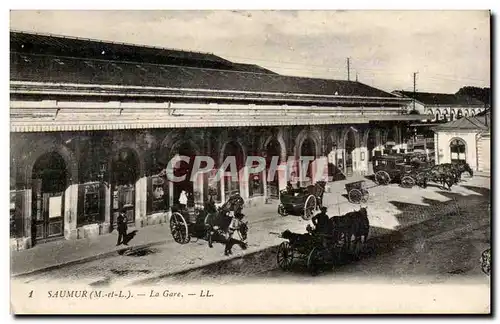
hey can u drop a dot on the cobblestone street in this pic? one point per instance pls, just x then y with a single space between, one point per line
391 210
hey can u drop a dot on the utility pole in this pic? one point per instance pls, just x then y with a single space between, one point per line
414 87
348 70
356 76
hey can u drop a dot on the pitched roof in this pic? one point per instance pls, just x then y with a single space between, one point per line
30 43
466 123
49 58
56 69
449 99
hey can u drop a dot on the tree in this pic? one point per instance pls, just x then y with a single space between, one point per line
481 94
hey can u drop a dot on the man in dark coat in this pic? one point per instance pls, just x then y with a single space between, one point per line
121 222
321 222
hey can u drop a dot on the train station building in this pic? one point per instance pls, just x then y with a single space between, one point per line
94 123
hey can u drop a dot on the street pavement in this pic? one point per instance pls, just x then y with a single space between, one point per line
391 210
442 249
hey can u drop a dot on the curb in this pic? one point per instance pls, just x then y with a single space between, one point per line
85 259
101 256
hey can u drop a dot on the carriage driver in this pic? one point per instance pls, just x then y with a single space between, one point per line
321 222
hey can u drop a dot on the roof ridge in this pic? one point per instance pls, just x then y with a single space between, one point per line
112 42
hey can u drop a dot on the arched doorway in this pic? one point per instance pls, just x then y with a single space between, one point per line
273 149
183 168
307 149
124 175
457 150
232 184
49 182
350 146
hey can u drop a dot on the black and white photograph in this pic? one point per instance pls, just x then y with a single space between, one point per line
250 161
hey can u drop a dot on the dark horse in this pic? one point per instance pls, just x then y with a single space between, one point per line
351 227
441 173
447 174
460 168
221 226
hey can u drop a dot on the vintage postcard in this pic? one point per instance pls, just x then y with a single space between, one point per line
250 162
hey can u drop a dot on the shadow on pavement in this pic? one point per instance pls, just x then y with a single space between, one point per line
444 244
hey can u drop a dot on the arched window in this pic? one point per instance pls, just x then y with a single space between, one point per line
457 150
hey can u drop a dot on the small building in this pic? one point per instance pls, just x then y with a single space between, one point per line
465 139
443 106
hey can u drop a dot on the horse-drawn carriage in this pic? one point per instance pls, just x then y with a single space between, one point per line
208 223
345 236
302 201
389 168
406 169
445 174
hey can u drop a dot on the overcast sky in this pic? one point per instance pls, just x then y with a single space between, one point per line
448 49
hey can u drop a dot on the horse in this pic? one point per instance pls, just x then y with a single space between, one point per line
236 225
353 224
220 226
461 168
448 173
442 174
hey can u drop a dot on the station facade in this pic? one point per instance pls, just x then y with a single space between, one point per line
93 124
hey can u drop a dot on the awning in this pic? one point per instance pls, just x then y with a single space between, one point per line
116 123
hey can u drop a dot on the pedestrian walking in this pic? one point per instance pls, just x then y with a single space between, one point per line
121 222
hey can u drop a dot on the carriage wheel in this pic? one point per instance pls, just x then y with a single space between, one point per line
355 196
407 182
284 256
314 261
309 207
282 211
179 228
382 178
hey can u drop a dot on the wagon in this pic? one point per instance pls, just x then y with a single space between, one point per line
389 168
357 192
308 249
302 201
324 250
400 168
199 223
